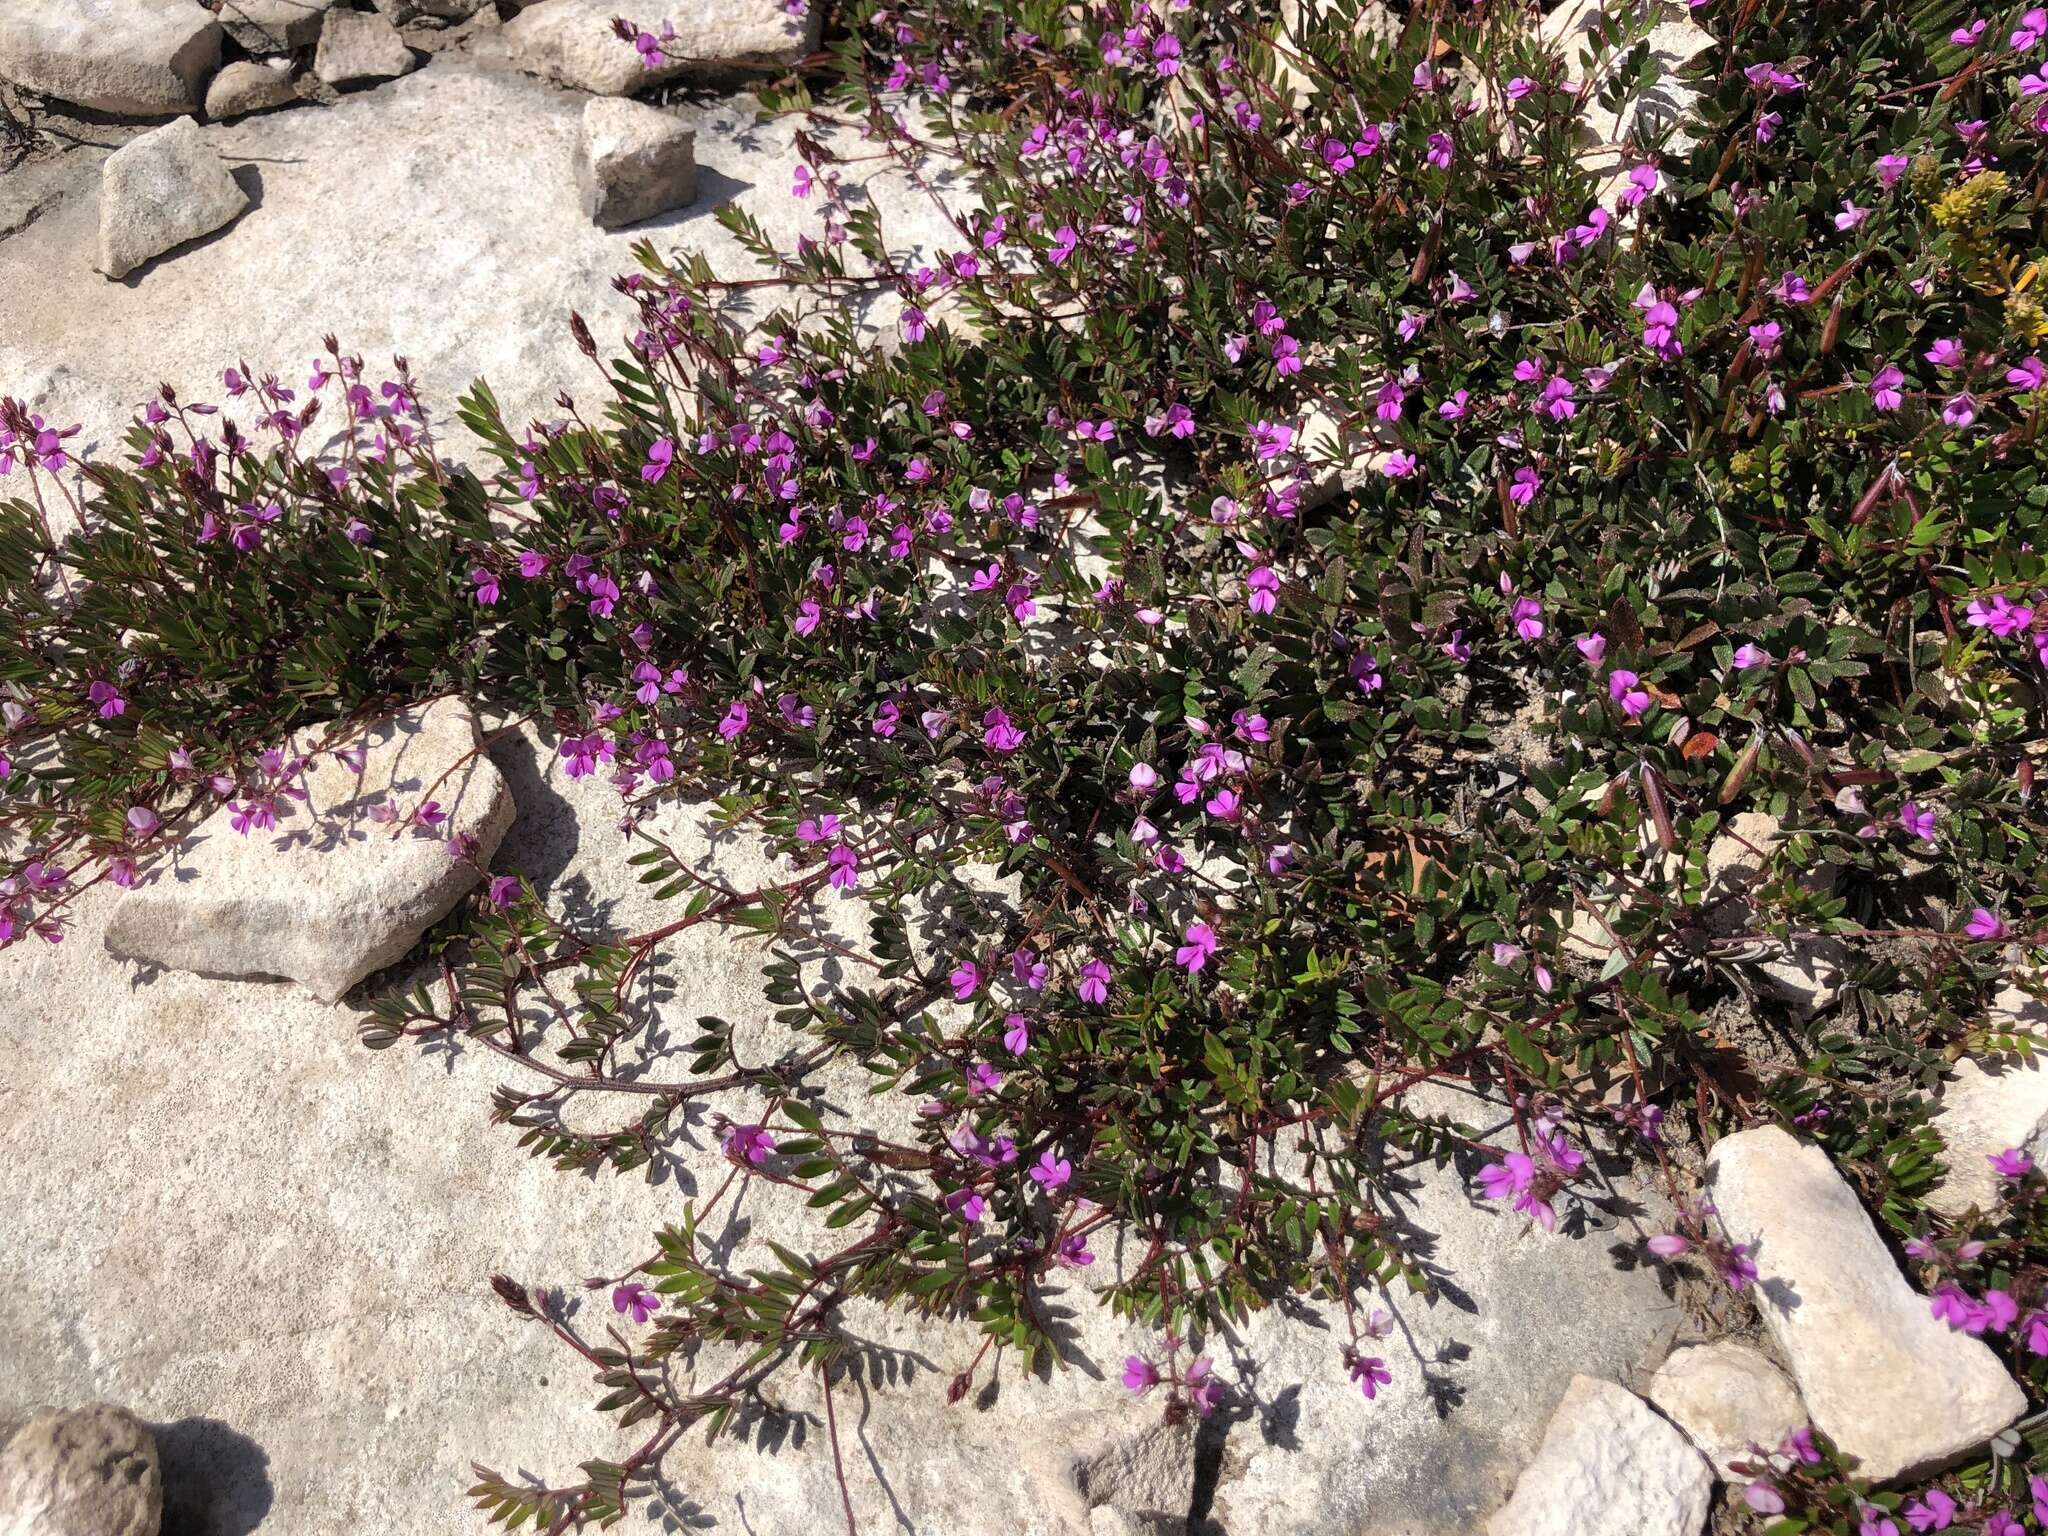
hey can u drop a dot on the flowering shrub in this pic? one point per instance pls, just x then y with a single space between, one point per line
1321 537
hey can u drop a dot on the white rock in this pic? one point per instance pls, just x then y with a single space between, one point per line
274 26
1646 116
356 47
403 12
1889 1384
1807 974
88 1472
159 191
248 85
1608 1466
330 895
633 161
1986 1107
1727 1397
138 58
572 41
465 253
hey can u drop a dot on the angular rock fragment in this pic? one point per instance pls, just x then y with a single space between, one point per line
274 26
1892 1386
247 86
88 1472
332 893
572 41
1726 1397
159 191
1608 1466
1134 1471
633 161
136 58
356 48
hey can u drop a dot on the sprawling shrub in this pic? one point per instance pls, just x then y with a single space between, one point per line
1323 534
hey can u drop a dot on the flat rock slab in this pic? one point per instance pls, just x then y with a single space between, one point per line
86 1472
572 41
1893 1387
134 58
465 253
332 893
161 191
1608 1466
1478 1369
633 161
1727 1398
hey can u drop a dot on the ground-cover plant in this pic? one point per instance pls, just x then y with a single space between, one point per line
1306 429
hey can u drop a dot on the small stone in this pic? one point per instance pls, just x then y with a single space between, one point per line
1901 1392
248 85
1608 1466
1987 1107
87 1472
1131 1463
633 161
356 47
1727 1398
1806 974
136 58
572 41
159 191
274 26
330 894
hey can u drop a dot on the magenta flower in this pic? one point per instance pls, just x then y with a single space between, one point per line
503 890
1622 688
1523 488
966 980
1051 1171
1917 822
142 823
107 698
1667 1245
1140 1374
2012 1163
1985 924
1885 393
1947 352
1528 617
1073 1253
1204 1390
749 1144
1932 1511
660 455
1763 1498
1016 1034
998 734
1094 983
1270 439
967 1205
1198 946
1370 1373
1593 647
1748 657
635 1298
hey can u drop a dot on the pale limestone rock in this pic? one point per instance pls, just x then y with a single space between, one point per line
572 41
159 191
1727 1397
274 26
87 1472
1608 1466
248 85
438 256
331 894
1647 116
1479 1363
356 47
633 161
1986 1107
136 58
1892 1386
402 13
1807 974
1129 1462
